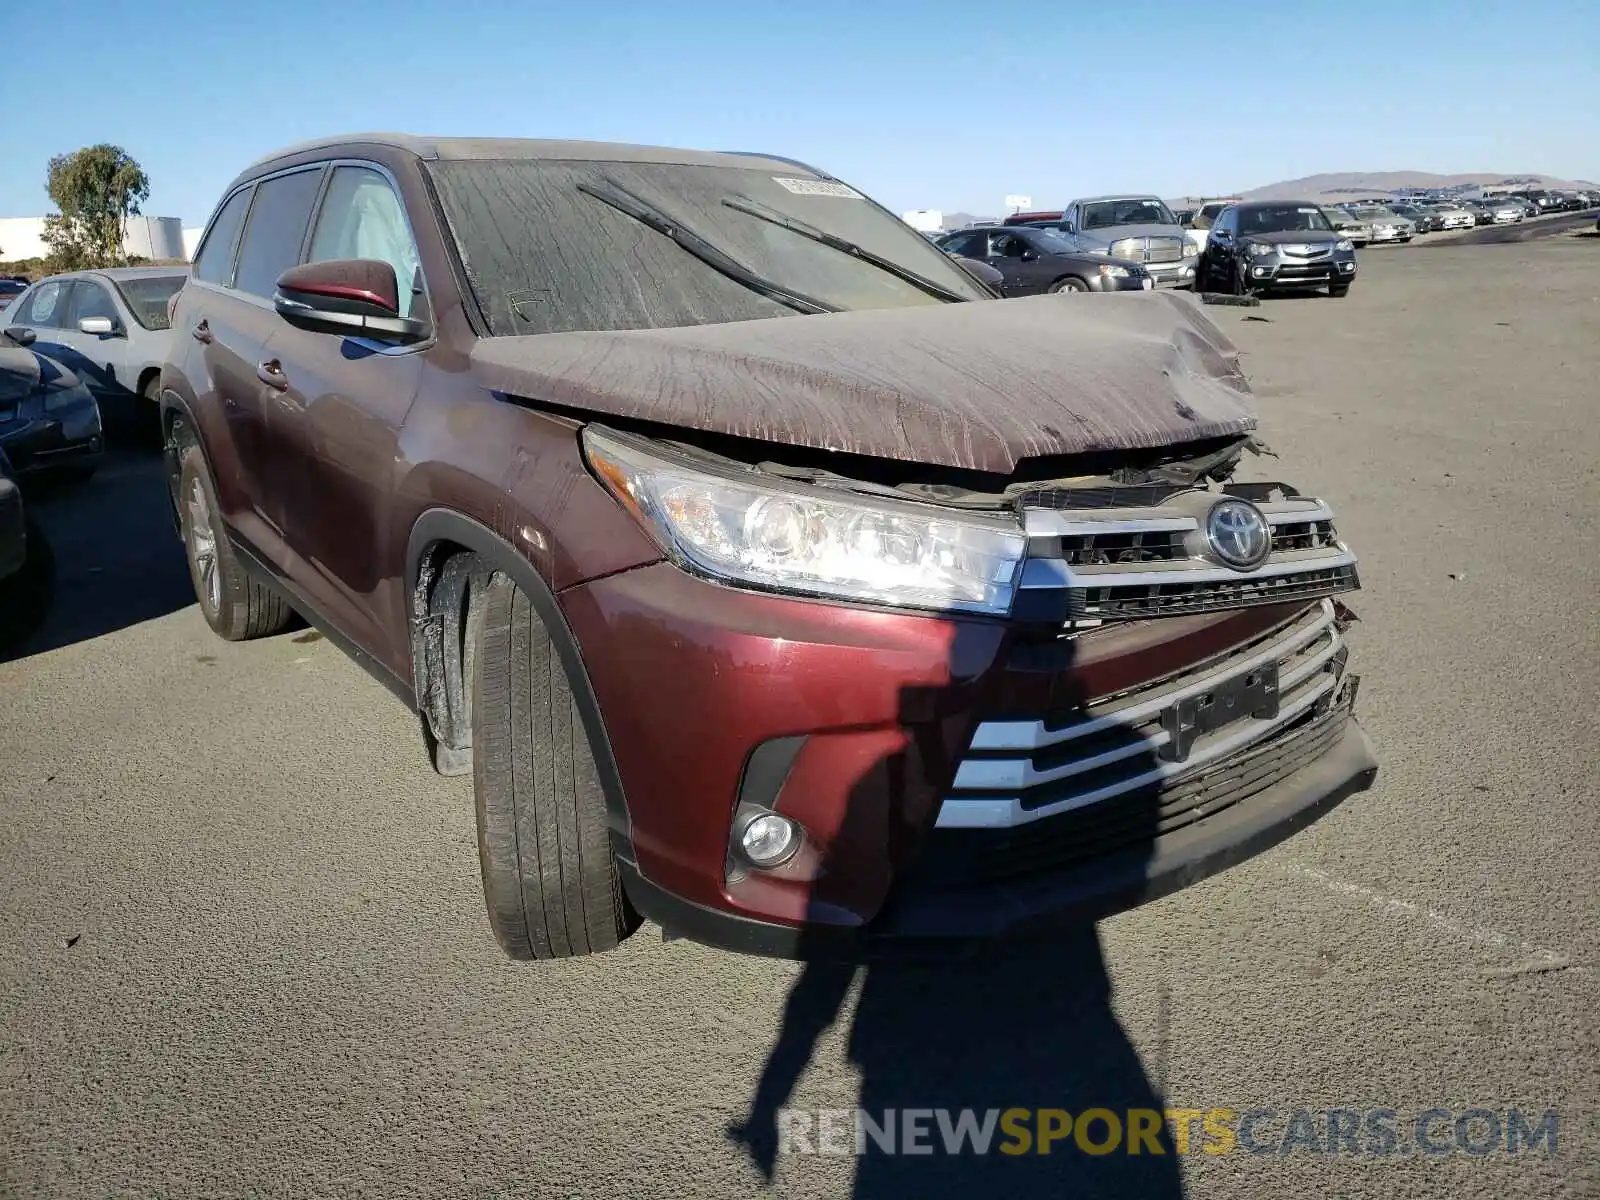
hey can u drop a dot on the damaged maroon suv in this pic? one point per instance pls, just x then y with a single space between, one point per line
771 578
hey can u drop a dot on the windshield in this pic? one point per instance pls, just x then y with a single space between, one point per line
577 263
1284 218
147 297
1104 214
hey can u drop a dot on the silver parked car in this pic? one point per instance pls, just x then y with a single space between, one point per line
1386 226
1347 223
110 327
1135 228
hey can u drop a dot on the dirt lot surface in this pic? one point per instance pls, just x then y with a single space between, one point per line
243 952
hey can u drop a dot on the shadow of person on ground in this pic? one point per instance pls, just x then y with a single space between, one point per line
118 561
1012 1025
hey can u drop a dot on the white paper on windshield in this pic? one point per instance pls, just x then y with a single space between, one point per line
1307 210
816 187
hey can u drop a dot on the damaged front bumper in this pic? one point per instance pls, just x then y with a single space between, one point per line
966 777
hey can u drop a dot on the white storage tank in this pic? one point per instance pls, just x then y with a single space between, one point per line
155 238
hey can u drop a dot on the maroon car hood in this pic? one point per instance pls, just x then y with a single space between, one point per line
980 385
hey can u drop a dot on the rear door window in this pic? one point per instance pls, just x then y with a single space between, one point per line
970 245
215 261
275 231
45 307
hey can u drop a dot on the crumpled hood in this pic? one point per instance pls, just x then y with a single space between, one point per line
981 385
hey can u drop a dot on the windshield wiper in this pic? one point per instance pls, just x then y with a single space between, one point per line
652 218
844 246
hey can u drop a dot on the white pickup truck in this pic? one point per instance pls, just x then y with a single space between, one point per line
1199 226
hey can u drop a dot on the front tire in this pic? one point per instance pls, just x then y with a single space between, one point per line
1339 290
235 604
1070 284
549 878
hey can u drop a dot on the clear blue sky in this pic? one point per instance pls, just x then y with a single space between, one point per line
929 104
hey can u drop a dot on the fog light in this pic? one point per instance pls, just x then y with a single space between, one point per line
1259 271
769 840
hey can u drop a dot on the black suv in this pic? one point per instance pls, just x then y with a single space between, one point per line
1275 246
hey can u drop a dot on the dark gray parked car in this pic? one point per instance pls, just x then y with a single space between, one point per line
1033 261
1275 246
49 421
26 566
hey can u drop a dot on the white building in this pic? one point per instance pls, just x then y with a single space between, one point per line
924 220
144 237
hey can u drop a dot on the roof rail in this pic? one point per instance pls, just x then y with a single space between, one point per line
794 162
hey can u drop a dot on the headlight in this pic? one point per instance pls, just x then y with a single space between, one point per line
1344 244
1191 248
1114 271
58 398
1259 250
750 529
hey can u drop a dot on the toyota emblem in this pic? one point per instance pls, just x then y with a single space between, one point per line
1239 535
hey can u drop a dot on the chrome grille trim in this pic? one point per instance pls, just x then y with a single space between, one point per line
1052 572
1029 736
1302 686
1146 561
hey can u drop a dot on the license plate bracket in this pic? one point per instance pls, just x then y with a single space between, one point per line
1253 693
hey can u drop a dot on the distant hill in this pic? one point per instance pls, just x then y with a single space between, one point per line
1358 183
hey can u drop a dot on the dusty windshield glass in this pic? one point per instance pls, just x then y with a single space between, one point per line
543 256
147 298
1104 214
1288 218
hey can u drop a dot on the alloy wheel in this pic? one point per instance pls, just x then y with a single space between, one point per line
203 545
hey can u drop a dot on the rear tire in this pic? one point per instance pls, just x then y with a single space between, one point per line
1070 284
236 605
147 419
549 879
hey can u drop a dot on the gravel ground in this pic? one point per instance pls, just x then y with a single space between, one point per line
242 946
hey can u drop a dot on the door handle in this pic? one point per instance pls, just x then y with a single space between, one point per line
202 332
271 374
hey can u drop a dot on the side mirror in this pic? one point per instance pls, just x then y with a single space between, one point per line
349 297
97 326
1029 255
19 336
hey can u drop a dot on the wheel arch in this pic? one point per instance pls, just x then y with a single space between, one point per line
446 555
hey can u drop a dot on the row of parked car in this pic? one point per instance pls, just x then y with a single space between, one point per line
81 350
1125 243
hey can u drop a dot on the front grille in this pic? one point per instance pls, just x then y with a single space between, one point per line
967 857
1104 549
1164 250
1303 535
1304 271
1157 739
1175 599
1091 564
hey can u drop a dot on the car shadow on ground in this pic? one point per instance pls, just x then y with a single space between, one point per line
117 561
1014 1025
